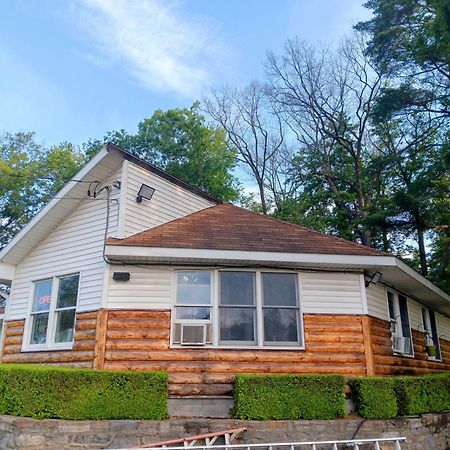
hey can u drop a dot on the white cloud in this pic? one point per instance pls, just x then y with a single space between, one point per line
154 41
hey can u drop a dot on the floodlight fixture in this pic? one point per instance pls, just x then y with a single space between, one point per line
145 192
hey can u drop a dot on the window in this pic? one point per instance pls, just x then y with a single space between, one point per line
237 308
432 347
399 324
192 322
52 319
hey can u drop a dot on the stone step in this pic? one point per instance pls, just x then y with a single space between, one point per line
200 406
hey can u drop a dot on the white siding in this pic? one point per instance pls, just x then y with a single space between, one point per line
330 293
443 326
75 245
377 301
415 315
169 201
148 288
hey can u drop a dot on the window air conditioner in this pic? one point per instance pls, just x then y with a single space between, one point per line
401 345
193 334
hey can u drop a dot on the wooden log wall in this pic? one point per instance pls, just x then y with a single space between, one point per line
386 363
82 354
139 340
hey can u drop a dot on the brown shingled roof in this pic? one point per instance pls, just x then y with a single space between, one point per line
227 227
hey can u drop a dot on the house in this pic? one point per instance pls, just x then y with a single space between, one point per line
131 268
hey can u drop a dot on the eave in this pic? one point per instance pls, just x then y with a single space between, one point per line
394 272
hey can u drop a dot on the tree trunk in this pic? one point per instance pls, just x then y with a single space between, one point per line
422 252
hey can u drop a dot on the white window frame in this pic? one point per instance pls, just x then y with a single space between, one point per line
398 321
259 320
50 343
428 332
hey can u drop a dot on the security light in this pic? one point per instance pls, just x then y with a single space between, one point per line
375 278
145 192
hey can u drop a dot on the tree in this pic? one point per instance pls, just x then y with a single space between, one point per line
327 100
255 129
180 142
410 42
31 175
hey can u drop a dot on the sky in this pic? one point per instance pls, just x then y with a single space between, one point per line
72 70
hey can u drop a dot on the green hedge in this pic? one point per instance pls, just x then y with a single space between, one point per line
264 397
386 397
422 394
63 393
374 397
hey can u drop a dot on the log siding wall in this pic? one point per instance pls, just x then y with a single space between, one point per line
386 363
139 340
82 354
352 345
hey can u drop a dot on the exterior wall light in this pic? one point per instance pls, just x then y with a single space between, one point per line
375 278
145 192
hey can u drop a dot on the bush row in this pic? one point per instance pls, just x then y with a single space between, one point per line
63 393
386 397
265 397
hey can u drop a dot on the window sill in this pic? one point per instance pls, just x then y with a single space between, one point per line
404 355
432 359
239 347
40 348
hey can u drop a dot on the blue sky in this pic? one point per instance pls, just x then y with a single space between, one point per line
74 69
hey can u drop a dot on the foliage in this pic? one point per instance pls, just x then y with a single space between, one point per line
422 394
61 393
30 176
374 397
265 397
180 142
386 397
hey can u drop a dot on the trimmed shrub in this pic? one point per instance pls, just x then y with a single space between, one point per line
64 393
422 394
265 397
374 397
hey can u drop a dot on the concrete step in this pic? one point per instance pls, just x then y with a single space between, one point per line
200 406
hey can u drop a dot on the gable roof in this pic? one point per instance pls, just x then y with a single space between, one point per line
99 168
228 227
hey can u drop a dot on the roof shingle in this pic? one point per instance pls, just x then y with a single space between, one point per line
227 227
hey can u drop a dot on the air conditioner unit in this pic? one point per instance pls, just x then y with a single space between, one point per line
193 334
401 345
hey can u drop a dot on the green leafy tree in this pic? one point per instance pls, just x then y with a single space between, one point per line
410 42
30 176
181 142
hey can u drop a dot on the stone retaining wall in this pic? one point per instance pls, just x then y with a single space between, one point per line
426 432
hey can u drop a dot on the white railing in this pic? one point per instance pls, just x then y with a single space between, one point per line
354 444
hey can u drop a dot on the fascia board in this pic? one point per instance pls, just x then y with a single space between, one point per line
117 251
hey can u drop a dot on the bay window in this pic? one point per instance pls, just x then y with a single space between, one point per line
237 308
52 318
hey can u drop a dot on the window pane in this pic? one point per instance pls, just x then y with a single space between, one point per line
237 324
64 325
434 333
67 292
194 288
280 289
42 295
391 307
402 303
280 325
197 313
237 288
39 330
